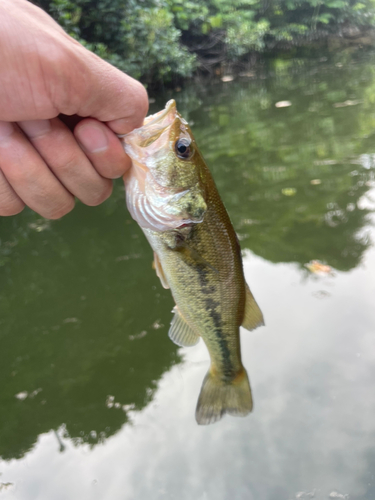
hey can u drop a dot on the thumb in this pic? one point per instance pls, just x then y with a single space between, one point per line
109 95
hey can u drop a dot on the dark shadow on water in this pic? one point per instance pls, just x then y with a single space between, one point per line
83 326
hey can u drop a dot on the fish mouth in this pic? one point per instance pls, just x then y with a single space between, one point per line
153 136
159 117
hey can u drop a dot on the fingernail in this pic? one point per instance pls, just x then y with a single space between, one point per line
92 138
35 128
6 129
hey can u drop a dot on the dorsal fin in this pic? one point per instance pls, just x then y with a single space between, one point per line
253 316
160 272
180 332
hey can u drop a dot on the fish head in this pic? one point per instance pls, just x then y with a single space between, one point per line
165 187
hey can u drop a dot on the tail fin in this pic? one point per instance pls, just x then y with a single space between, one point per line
218 397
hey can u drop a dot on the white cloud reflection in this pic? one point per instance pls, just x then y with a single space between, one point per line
312 432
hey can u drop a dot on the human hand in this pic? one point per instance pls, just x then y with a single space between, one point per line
45 74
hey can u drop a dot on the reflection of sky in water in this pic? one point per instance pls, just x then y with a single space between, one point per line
312 371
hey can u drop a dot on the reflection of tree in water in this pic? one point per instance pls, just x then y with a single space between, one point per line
315 223
74 312
77 296
259 152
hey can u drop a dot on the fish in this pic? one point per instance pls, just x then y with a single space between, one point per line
172 195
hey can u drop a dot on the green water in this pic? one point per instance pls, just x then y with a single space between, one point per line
96 402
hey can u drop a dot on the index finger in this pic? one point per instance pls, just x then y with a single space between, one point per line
107 94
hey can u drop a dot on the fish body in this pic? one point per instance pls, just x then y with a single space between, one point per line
173 197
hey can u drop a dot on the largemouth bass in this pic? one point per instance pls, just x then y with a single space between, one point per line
172 195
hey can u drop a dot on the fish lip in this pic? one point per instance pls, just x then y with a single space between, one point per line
160 115
153 126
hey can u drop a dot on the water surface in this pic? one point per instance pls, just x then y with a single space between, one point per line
96 402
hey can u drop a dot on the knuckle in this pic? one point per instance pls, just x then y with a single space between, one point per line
112 169
15 174
11 208
135 106
59 211
59 131
10 203
116 172
65 87
68 164
101 195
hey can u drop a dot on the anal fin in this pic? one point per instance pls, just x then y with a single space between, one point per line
160 272
253 316
180 332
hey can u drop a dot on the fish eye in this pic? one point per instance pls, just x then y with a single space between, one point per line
184 148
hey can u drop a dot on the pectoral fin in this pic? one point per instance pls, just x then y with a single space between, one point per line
160 272
253 316
180 332
193 255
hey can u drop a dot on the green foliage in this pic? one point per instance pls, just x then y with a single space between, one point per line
153 49
137 36
243 37
82 337
161 40
237 28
